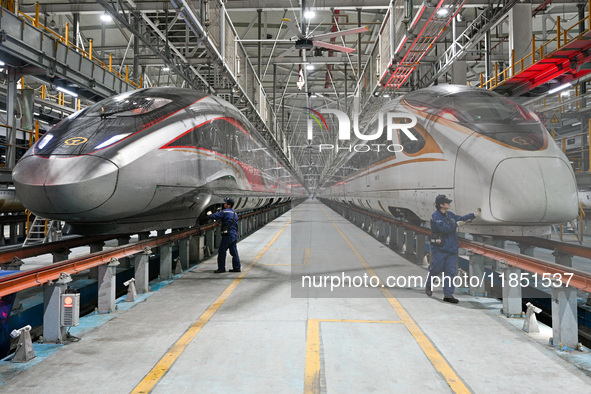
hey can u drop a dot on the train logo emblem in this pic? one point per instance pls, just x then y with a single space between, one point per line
522 140
75 141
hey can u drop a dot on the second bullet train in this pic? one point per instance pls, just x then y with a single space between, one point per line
150 159
479 148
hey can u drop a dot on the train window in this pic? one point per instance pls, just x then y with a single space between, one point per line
127 106
411 146
112 120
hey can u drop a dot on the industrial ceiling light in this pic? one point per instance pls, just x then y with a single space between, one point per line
309 14
310 67
442 12
165 68
558 89
66 91
106 17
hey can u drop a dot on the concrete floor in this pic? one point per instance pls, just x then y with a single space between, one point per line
261 331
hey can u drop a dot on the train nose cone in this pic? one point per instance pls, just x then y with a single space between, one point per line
64 186
533 190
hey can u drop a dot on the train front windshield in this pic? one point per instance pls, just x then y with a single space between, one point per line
111 120
489 114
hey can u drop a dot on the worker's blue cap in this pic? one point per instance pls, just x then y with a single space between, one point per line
442 199
229 201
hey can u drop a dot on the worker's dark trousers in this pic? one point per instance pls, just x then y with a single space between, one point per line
447 263
228 243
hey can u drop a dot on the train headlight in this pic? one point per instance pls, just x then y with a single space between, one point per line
45 140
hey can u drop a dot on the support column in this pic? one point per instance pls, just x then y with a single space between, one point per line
209 242
476 269
124 261
526 249
107 286
13 233
61 255
11 92
563 258
143 236
565 331
511 293
218 237
410 243
166 261
458 67
52 330
97 247
520 32
197 248
392 242
421 249
400 235
184 252
141 273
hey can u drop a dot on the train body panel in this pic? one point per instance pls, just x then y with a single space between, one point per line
150 159
9 202
478 148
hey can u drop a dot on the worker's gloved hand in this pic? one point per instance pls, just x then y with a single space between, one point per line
208 213
478 212
460 223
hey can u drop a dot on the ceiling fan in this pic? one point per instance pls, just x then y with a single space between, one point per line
306 41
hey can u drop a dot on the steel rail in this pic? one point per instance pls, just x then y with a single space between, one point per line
8 254
566 248
580 279
27 279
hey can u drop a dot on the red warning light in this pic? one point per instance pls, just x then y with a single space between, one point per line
68 302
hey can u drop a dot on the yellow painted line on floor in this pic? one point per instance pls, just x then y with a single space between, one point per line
312 378
454 382
154 376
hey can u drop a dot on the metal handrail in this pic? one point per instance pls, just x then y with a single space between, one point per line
580 279
27 279
560 39
88 54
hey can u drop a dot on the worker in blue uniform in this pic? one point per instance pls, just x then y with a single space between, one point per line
444 246
229 220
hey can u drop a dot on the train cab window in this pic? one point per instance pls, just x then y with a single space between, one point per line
411 146
127 106
488 114
113 120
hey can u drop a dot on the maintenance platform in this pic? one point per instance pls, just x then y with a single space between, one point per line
283 325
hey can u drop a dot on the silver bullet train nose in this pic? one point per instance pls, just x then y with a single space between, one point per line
533 189
69 185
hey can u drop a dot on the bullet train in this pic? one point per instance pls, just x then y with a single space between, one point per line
150 159
477 147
